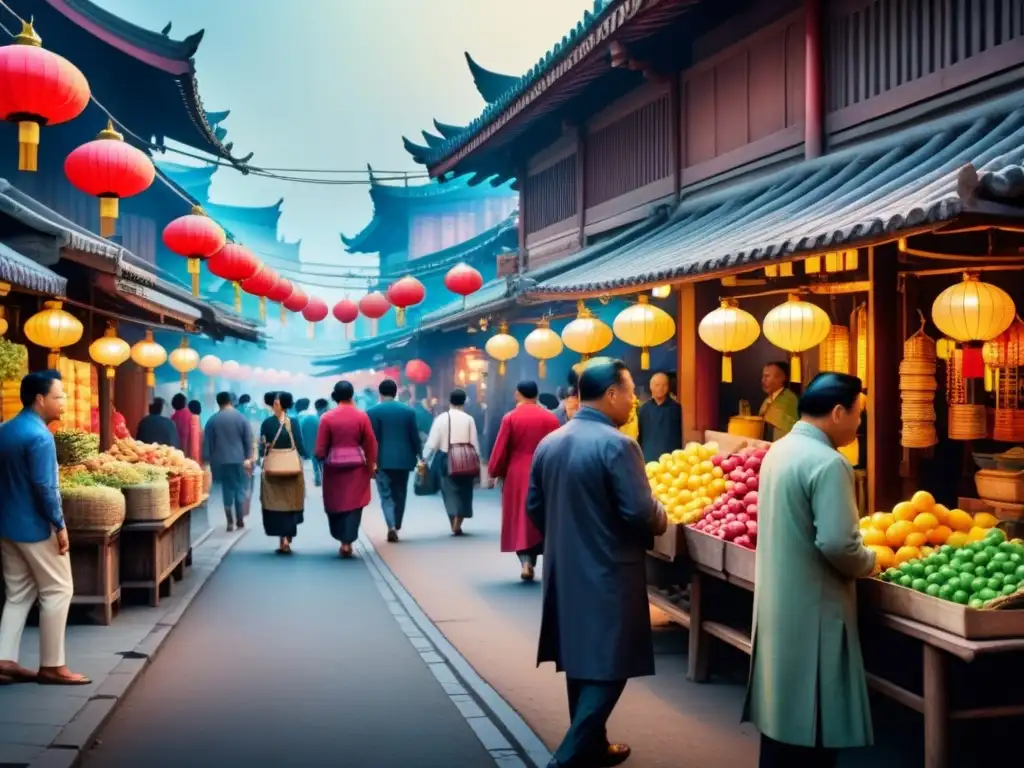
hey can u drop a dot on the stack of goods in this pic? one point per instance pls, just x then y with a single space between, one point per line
917 390
172 460
967 421
13 366
142 486
80 391
92 507
733 515
687 481
75 446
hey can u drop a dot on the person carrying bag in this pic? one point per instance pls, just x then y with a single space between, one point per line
459 467
282 484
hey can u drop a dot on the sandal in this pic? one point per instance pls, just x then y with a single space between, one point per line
69 678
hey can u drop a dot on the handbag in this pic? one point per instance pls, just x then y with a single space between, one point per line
282 462
345 457
463 460
426 482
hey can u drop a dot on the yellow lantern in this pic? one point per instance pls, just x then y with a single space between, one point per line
728 329
184 360
796 327
110 351
54 329
661 291
586 335
860 319
644 325
944 349
543 344
3 321
972 310
834 352
148 354
502 347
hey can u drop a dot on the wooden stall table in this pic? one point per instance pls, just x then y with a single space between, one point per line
95 569
152 552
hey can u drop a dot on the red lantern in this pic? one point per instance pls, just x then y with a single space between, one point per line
236 263
346 311
109 169
314 312
37 87
463 280
196 237
374 306
297 301
279 293
406 292
260 285
417 372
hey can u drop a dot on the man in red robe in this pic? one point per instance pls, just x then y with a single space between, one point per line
518 437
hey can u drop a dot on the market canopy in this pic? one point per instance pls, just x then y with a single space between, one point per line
910 181
21 271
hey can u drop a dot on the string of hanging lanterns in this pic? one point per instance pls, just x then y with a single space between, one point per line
196 237
374 306
543 344
184 360
346 312
404 293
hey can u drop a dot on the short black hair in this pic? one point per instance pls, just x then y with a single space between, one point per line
194 406
301 404
35 384
269 398
782 365
826 391
286 400
548 400
244 400
388 388
156 407
573 379
223 398
179 401
320 404
599 376
528 389
343 392
457 397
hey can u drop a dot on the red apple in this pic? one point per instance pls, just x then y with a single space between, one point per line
752 511
743 541
753 483
753 463
741 490
752 528
760 453
750 498
742 517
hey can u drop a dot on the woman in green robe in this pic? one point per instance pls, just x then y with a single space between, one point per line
808 691
779 409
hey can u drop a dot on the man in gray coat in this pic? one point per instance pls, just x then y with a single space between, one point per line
228 448
398 443
590 498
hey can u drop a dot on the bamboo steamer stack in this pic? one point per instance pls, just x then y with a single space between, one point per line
917 391
967 421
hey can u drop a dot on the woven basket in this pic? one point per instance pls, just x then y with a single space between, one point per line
102 509
919 434
1009 426
917 368
918 396
918 383
920 346
967 422
917 412
147 503
174 490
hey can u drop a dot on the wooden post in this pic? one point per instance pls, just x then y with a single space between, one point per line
814 117
675 151
581 183
523 262
696 364
106 409
885 349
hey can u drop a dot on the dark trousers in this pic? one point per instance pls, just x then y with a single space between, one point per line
590 705
345 525
775 754
234 486
529 556
393 487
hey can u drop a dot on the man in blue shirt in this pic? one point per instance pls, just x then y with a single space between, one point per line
228 449
33 539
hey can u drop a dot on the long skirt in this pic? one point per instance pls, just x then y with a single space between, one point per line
283 500
457 493
345 525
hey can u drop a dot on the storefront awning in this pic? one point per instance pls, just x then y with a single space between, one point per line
22 272
913 180
148 298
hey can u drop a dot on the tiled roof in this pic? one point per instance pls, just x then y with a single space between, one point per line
23 272
883 187
490 85
488 242
493 295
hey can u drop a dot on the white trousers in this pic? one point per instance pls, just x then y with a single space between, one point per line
32 571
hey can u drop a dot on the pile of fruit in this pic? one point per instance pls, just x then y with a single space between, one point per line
132 451
687 481
733 515
974 575
915 528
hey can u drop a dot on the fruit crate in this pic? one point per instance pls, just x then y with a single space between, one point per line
740 562
667 546
705 550
957 619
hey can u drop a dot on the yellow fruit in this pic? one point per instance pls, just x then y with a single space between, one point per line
925 551
939 535
693 459
693 482
986 520
652 467
665 458
960 520
884 557
882 520
705 466
677 454
923 501
976 534
717 472
904 511
703 501
897 533
941 514
660 489
718 487
706 479
865 522
916 539
873 537
957 539
704 453
686 495
925 521
679 482
692 447
906 553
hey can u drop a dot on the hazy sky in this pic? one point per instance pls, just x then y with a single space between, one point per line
337 83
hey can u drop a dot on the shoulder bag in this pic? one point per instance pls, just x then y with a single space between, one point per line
463 459
282 462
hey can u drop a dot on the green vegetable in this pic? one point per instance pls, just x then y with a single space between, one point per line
75 446
13 360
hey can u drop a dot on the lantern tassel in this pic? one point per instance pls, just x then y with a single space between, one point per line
263 308
28 146
53 359
348 331
400 316
111 371
284 316
989 383
238 297
193 269
184 383
727 369
108 216
542 369
645 359
373 327
501 368
311 331
794 369
150 378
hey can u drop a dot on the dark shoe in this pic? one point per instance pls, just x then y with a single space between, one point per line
241 524
60 676
12 672
617 754
345 551
231 526
392 535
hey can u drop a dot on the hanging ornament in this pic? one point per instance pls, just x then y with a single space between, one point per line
54 329
417 371
796 326
644 325
197 237
543 344
234 263
315 311
184 360
148 355
502 347
463 280
834 351
972 312
586 335
661 291
230 370
210 365
110 351
297 301
728 330
860 322
37 87
374 306
260 285
109 169
346 311
406 292
280 293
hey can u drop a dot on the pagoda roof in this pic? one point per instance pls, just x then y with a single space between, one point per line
504 236
193 179
162 55
490 85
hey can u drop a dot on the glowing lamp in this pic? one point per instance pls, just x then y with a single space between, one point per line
54 329
148 355
374 306
543 344
644 325
796 326
463 280
230 370
197 237
315 311
110 351
502 347
661 291
184 360
586 335
234 263
346 312
728 330
260 285
972 310
210 365
417 371
404 293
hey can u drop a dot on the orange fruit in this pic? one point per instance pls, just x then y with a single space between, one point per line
884 557
925 521
941 513
882 520
957 539
904 511
865 522
897 533
916 539
976 534
986 520
960 520
906 553
873 537
939 535
923 501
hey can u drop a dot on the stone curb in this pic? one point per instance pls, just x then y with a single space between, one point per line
65 751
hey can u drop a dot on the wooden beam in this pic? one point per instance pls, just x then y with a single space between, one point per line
581 183
885 348
814 112
686 341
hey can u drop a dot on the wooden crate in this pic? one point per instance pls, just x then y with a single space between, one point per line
667 546
705 550
959 620
740 562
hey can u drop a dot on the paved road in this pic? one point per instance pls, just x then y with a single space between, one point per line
292 661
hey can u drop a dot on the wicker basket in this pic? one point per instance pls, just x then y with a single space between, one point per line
191 488
915 383
174 490
918 396
1009 426
147 503
919 434
920 346
96 509
917 368
911 411
967 422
